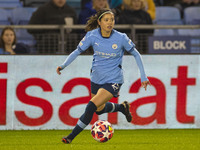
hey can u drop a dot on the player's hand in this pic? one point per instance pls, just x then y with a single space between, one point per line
145 83
58 69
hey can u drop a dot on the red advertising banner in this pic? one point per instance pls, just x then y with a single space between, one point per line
33 96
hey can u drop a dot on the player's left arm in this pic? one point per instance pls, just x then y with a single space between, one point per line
130 47
144 79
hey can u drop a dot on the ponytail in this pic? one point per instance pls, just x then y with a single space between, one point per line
92 23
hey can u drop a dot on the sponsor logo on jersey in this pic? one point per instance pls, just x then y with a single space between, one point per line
105 55
114 46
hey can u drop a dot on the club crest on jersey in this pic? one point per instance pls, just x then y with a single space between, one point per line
115 86
114 46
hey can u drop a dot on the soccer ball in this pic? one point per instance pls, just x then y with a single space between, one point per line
102 131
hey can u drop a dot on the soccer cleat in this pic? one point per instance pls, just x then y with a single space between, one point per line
66 140
127 112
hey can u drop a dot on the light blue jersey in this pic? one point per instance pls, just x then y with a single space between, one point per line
108 53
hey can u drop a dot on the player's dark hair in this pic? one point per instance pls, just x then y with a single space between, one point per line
2 43
92 23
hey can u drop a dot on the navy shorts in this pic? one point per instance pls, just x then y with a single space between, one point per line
113 88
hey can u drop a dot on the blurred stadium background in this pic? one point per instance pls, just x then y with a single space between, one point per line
168 23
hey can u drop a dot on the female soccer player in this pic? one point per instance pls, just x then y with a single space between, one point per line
106 73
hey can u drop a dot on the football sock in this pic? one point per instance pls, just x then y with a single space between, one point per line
84 120
111 107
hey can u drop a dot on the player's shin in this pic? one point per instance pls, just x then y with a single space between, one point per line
84 120
111 107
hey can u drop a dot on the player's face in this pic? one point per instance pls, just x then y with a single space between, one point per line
8 37
107 22
59 3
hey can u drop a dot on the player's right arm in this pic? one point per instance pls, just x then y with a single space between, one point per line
84 44
68 60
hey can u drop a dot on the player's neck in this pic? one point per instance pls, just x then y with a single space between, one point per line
105 34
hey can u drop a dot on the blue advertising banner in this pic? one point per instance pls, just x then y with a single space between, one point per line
169 44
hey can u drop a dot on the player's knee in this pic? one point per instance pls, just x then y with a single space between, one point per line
91 107
100 110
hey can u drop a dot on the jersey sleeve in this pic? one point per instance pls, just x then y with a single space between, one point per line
85 43
129 46
127 43
139 62
71 58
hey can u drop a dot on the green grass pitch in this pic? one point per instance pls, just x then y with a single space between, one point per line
164 139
